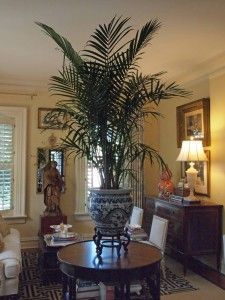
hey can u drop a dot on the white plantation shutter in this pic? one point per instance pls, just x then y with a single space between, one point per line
6 163
92 181
13 137
93 178
138 184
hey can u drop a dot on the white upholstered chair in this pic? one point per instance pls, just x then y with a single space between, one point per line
136 216
157 237
134 226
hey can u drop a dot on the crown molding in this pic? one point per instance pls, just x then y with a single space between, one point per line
22 86
217 73
206 70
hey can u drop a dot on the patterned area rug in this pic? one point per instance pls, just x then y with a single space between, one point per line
31 286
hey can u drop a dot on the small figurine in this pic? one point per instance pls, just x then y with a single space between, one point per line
165 186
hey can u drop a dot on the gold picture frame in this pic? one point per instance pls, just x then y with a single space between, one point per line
193 120
202 186
42 112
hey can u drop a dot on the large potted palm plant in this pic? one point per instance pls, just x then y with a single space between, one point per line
103 96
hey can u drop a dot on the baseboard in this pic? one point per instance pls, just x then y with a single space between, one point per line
207 272
29 242
202 269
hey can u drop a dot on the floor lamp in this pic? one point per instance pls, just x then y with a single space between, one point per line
191 151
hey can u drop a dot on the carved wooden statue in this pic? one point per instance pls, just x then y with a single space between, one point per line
52 187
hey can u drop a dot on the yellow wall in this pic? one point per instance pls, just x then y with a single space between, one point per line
217 94
213 87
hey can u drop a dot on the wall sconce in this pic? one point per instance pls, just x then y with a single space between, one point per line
192 151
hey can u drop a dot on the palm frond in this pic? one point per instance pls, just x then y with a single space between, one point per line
64 44
105 39
103 95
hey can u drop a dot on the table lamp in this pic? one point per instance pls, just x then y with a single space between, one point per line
191 151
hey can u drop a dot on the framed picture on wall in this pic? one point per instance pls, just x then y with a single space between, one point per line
55 123
193 120
202 186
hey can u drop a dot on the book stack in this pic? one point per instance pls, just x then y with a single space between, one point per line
87 290
107 291
69 236
136 232
176 199
182 200
58 240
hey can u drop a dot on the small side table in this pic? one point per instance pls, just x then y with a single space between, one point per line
47 260
47 257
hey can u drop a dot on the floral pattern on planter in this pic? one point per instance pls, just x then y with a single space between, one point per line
110 210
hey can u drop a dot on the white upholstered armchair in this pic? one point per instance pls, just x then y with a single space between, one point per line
10 264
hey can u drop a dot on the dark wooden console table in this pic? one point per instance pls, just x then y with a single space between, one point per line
47 260
193 229
80 261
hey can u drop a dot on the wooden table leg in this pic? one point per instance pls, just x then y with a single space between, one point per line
153 282
127 291
122 294
185 262
64 286
218 261
72 288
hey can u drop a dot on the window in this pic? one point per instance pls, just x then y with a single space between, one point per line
12 161
93 178
85 178
58 156
44 156
6 163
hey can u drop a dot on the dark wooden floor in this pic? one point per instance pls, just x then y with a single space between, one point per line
207 272
202 269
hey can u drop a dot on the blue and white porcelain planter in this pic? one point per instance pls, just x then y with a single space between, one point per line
110 210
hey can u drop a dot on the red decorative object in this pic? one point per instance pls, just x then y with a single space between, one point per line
165 186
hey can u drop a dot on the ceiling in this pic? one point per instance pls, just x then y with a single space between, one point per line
190 43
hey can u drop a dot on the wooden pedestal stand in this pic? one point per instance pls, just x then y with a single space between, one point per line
46 221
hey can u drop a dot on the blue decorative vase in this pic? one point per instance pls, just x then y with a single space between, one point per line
110 210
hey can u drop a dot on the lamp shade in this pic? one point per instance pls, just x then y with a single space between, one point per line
192 151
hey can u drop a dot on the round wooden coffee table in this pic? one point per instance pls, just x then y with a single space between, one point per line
80 260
